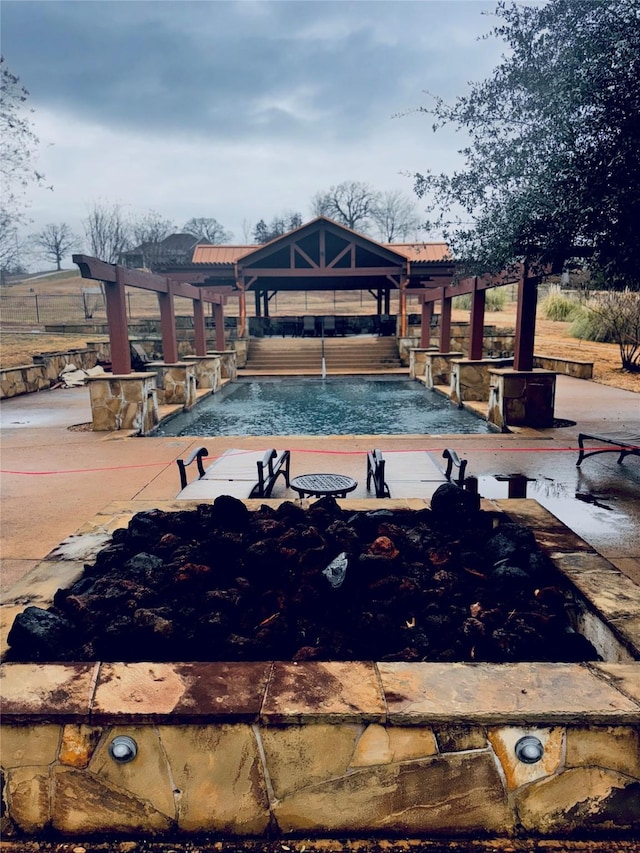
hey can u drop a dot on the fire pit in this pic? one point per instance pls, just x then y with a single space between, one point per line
451 745
449 583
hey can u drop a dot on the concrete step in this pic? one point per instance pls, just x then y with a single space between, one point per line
358 355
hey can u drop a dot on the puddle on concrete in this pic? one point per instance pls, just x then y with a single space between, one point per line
587 513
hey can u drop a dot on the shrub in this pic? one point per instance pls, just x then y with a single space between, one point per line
612 316
495 300
556 305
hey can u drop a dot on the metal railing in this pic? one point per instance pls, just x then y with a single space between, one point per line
38 308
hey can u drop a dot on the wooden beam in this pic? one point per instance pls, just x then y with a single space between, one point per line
304 255
525 322
116 306
218 314
425 324
199 327
168 327
476 334
445 321
347 249
327 272
402 308
99 270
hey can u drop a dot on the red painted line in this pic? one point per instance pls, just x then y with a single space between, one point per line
609 448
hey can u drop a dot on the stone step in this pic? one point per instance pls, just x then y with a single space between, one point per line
358 355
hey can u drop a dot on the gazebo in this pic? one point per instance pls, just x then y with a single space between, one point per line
323 255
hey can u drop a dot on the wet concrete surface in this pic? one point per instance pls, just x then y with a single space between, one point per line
56 476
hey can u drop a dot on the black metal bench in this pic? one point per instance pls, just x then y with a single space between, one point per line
272 465
454 472
622 444
375 472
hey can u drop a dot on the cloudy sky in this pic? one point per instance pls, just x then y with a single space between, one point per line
236 109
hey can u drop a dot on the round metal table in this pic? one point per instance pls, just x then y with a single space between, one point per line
314 485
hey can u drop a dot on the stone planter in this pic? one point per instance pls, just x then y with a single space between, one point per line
311 749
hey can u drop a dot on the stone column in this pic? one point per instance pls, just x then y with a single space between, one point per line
176 383
242 351
471 380
521 398
124 401
438 367
417 359
207 370
230 359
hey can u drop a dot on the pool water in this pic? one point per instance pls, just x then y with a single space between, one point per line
336 406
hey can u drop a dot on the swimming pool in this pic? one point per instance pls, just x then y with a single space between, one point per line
335 406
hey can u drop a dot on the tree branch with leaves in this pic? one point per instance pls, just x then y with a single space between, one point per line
552 160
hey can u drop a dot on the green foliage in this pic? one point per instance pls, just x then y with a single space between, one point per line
612 316
552 161
558 306
587 327
495 300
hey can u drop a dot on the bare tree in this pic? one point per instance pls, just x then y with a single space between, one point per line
148 232
247 230
395 216
55 241
151 228
107 231
11 247
351 203
208 229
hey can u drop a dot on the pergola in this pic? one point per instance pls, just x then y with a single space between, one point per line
115 278
324 255
320 255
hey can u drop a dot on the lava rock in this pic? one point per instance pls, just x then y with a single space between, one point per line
454 506
42 635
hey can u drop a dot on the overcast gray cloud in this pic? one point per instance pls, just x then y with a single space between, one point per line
236 110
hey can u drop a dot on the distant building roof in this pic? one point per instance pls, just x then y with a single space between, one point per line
222 254
414 252
421 251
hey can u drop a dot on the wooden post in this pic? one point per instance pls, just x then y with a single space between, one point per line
445 321
218 314
525 321
116 306
168 326
425 324
199 327
476 339
402 308
242 312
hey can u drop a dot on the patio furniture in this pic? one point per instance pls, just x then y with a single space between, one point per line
316 485
375 472
239 473
415 473
329 325
624 444
308 326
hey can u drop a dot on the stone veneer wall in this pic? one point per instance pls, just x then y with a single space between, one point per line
44 372
283 748
578 369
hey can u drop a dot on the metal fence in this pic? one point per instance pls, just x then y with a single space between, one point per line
42 308
39 308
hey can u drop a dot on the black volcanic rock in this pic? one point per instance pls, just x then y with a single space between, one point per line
223 583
